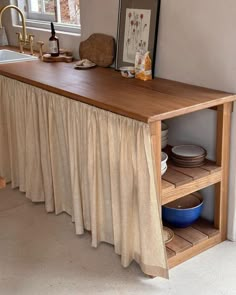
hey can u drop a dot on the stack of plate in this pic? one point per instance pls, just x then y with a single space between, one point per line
188 155
164 135
164 159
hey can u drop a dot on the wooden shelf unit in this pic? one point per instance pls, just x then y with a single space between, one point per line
178 182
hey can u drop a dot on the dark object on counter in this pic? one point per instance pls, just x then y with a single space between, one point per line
184 211
98 48
53 43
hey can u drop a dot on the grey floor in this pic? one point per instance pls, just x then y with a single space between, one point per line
40 254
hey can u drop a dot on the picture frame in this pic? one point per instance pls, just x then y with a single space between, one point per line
137 28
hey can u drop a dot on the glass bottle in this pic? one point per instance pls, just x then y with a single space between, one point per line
53 42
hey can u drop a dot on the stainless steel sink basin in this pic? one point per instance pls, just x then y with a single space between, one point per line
8 56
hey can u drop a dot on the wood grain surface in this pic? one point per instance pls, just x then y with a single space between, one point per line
148 101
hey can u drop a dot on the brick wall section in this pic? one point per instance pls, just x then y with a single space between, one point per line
65 13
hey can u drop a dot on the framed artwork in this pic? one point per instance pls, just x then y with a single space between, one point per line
137 28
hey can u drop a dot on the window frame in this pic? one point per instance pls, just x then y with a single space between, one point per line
43 20
43 16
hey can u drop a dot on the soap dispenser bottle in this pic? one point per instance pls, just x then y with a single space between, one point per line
53 42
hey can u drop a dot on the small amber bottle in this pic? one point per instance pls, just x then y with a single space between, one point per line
53 43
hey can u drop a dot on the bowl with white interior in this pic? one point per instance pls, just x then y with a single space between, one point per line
163 171
127 72
164 143
164 129
164 158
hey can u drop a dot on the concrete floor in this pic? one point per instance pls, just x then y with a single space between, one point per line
40 254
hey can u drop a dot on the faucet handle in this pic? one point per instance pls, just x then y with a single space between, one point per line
30 37
20 41
31 41
40 43
19 36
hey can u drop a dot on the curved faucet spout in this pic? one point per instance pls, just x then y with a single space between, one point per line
24 35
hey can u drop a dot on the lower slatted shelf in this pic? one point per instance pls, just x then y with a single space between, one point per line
191 240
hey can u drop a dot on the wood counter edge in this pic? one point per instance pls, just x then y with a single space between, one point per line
226 97
76 97
188 110
116 110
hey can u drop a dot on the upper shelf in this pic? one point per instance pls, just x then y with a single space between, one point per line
148 101
178 181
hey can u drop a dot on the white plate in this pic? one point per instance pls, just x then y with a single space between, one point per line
188 150
85 67
84 64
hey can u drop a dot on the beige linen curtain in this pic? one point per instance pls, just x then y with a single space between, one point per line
95 165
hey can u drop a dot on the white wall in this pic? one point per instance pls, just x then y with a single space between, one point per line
99 16
196 44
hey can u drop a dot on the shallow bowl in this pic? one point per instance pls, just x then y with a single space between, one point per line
164 129
163 170
127 72
164 158
164 137
164 143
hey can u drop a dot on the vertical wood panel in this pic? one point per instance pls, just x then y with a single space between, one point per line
222 159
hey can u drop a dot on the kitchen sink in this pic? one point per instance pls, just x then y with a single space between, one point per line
8 56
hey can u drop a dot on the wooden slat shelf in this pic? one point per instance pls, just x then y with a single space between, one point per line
193 239
178 181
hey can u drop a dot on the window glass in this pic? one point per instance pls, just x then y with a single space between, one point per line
60 11
70 11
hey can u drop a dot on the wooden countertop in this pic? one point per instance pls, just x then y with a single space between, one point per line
148 101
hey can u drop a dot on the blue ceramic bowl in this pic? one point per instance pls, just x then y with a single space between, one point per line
184 211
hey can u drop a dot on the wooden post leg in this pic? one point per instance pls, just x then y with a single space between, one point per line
222 159
2 182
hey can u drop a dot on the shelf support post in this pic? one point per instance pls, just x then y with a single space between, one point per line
222 159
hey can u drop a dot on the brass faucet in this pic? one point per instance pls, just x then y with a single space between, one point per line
23 38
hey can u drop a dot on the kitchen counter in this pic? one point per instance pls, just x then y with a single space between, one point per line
84 155
104 88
